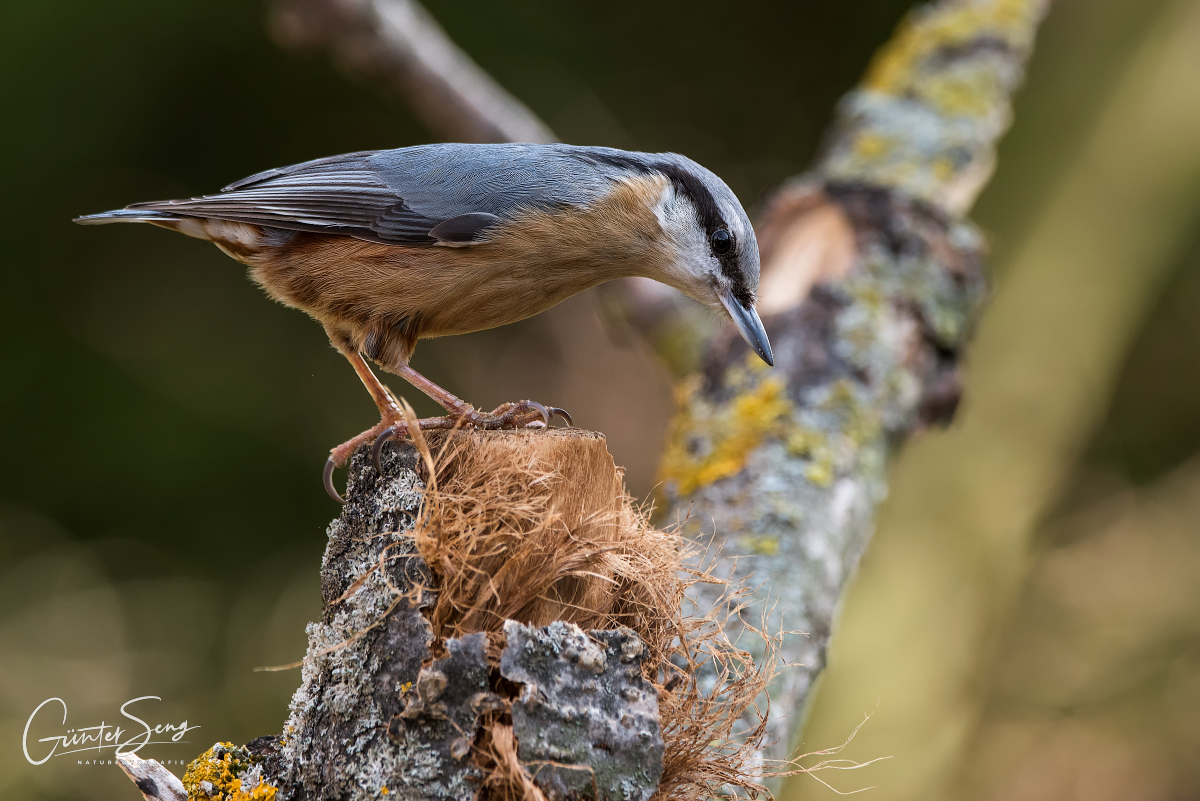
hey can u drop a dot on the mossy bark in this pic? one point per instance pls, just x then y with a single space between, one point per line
872 282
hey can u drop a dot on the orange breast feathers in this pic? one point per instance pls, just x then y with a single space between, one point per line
382 298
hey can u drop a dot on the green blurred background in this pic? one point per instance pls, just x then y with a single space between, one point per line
1027 623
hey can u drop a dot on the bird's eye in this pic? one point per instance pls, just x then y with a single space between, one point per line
721 241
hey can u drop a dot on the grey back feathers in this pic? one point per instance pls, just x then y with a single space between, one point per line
452 193
400 196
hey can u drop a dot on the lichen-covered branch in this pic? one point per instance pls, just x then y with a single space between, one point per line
398 44
591 721
872 282
934 102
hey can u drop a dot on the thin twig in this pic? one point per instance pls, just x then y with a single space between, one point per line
398 44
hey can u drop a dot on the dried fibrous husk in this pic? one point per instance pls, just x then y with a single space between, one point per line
523 526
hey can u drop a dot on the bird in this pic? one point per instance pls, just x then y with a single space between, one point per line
387 247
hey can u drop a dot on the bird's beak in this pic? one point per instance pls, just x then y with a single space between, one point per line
749 326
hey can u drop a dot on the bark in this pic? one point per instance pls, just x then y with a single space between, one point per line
376 710
970 510
872 283
155 782
612 751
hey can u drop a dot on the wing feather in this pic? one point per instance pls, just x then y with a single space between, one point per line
339 195
399 196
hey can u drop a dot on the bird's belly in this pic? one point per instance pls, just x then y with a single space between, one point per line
362 287
493 302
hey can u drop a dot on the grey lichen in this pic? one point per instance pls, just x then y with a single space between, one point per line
373 717
447 701
586 721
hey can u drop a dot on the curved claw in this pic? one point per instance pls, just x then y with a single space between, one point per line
377 449
546 416
557 412
327 479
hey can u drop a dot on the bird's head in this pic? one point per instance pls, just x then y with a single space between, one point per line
713 252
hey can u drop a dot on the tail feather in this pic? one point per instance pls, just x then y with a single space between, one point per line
127 215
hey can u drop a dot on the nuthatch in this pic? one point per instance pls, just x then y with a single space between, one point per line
387 247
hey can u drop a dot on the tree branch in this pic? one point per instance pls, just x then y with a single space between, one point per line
872 282
398 44
1075 297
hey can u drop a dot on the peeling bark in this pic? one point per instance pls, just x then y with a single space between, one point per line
155 782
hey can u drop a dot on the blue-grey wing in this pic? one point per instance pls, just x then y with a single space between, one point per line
400 196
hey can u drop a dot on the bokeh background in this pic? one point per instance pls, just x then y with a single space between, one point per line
1026 624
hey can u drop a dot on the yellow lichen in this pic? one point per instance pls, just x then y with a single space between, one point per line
731 431
897 68
943 169
820 472
813 445
872 145
222 773
801 442
762 545
860 423
970 94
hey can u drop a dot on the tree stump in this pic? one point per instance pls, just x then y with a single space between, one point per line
499 622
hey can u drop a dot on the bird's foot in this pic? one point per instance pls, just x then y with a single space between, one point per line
522 414
341 454
379 435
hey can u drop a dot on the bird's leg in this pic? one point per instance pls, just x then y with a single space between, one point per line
461 414
457 407
509 415
391 419
392 424
389 410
